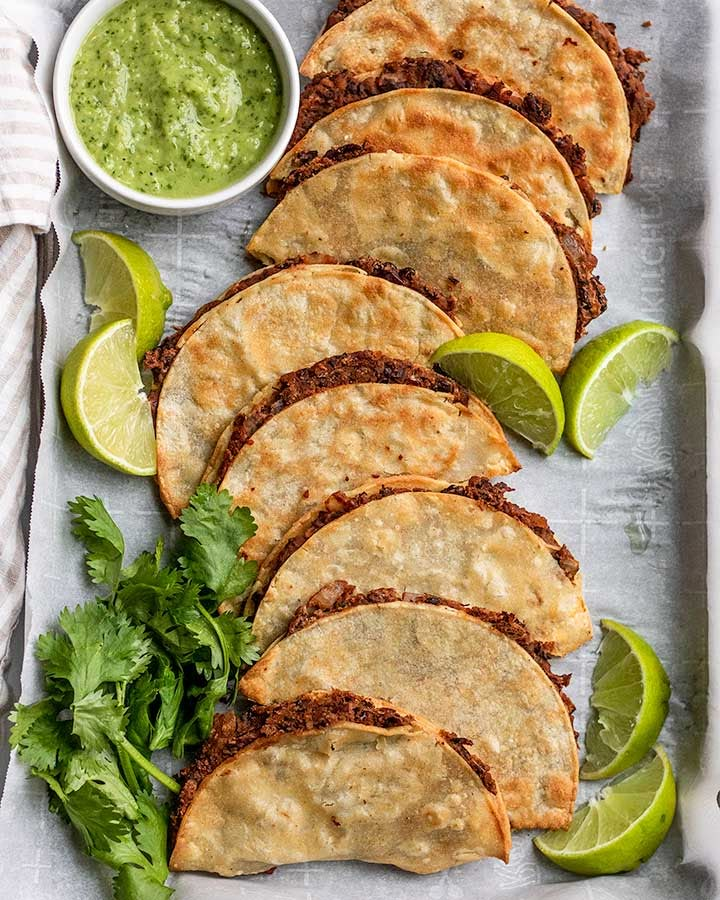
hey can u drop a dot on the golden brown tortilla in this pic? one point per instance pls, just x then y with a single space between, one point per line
341 437
330 777
531 45
288 320
474 130
471 671
465 542
466 232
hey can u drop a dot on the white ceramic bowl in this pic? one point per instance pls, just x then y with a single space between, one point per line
91 13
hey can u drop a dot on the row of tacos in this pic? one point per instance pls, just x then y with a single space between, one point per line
442 179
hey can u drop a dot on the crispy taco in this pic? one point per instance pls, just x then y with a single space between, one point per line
462 541
552 48
437 108
469 670
329 776
347 420
466 232
276 321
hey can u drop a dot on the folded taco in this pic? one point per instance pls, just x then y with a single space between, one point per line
469 670
552 48
276 321
462 541
438 108
347 420
466 232
331 776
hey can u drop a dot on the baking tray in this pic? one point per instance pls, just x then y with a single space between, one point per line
636 516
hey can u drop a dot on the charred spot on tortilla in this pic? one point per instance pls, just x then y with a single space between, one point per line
339 595
590 291
627 62
361 367
330 91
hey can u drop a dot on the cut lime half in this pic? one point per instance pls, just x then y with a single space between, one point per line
103 400
122 282
622 826
603 379
512 380
630 694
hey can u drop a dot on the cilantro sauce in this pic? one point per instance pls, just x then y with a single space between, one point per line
176 98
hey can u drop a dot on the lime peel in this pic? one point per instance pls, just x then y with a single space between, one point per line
603 378
102 397
512 379
622 826
631 691
123 282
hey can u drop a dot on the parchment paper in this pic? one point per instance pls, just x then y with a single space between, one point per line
635 516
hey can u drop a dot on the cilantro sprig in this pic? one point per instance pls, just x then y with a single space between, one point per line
137 670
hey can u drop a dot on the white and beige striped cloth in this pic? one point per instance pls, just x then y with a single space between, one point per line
28 155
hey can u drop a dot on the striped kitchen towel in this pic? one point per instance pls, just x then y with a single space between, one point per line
28 155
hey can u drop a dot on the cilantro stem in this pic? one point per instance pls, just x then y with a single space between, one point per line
152 770
128 771
220 639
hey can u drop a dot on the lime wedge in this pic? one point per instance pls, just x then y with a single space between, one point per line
629 703
123 282
103 400
602 380
622 826
512 379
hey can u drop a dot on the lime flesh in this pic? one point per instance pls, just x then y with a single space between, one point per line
603 379
622 826
512 380
103 400
631 691
123 282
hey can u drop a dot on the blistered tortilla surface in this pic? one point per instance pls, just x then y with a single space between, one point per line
401 797
474 130
340 438
466 232
433 543
281 324
531 45
453 669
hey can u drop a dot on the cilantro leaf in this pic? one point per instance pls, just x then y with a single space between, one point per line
97 718
154 702
132 883
170 693
100 645
41 740
103 540
151 832
163 601
100 768
215 533
239 640
145 845
195 729
141 695
90 811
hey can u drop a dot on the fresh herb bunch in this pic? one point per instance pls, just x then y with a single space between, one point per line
137 670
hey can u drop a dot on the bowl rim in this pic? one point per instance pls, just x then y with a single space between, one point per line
82 24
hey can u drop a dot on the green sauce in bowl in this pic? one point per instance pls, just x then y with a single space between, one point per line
177 98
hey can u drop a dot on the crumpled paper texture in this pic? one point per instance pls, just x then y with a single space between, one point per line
634 516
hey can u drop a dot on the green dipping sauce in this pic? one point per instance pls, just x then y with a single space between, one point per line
176 98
